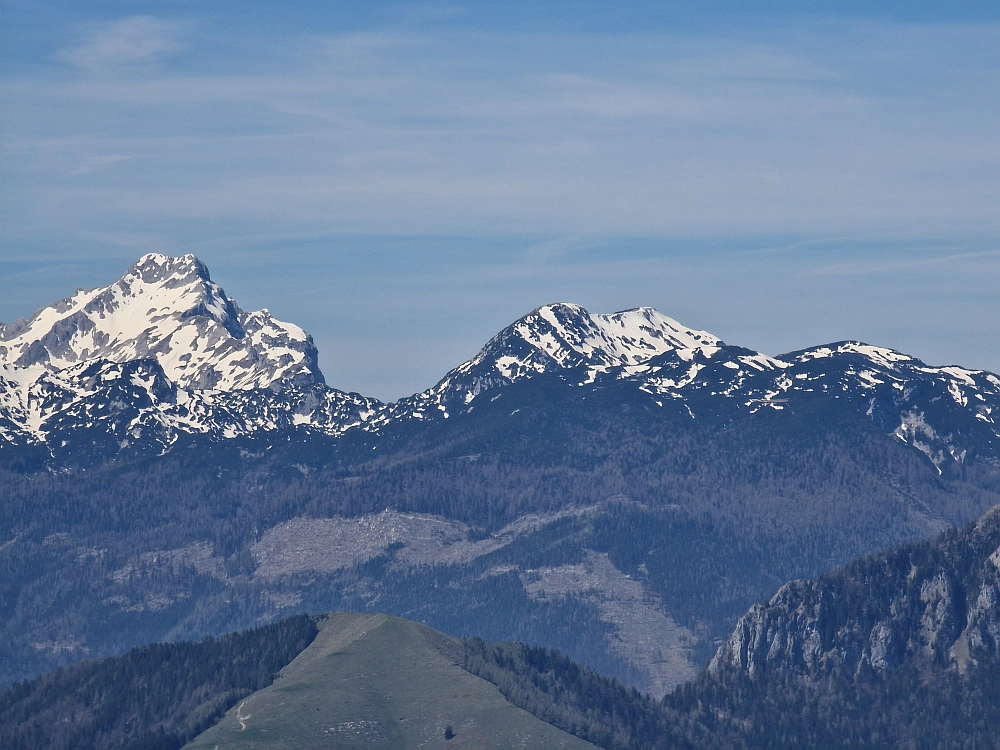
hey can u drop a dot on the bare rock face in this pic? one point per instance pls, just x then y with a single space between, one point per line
936 604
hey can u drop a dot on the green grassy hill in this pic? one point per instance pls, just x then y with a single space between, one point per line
378 681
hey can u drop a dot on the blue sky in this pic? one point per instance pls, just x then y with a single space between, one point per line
403 180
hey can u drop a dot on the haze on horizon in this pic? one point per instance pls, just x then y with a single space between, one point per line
402 180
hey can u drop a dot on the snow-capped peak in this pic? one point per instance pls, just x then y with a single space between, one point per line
557 338
565 335
568 333
168 309
879 355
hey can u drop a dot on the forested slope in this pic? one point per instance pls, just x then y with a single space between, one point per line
155 697
898 649
706 518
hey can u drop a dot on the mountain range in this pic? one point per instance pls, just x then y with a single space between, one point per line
163 352
620 487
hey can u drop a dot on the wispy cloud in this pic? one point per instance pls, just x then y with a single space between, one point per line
129 41
868 268
561 247
457 131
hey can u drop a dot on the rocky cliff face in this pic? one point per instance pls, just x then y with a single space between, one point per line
935 604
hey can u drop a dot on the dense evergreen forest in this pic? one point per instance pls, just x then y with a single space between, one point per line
707 516
572 697
907 708
155 697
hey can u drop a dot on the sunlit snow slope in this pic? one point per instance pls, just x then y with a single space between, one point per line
170 310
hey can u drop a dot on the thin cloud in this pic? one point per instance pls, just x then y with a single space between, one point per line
866 268
130 41
415 133
561 247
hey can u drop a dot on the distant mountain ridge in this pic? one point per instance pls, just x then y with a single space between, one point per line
164 353
565 340
617 486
